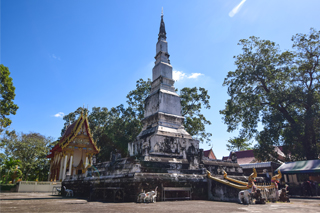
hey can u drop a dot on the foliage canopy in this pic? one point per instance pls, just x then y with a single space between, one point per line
238 144
280 90
31 151
7 95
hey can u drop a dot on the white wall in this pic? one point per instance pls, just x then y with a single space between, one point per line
33 186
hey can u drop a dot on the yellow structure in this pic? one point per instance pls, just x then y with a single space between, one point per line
246 185
74 151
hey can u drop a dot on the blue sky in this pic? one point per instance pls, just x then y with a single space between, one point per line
66 54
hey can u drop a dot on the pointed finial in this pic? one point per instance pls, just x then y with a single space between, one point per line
162 31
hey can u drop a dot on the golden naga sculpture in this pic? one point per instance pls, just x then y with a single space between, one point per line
225 182
246 185
275 179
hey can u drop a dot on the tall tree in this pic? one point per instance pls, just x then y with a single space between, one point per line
192 101
137 96
280 90
121 128
31 150
7 95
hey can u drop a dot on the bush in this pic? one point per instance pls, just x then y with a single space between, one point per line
6 187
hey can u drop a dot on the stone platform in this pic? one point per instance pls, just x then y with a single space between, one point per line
124 178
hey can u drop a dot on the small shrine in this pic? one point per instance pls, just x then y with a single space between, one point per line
74 151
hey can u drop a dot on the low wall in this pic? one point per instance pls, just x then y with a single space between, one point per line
34 186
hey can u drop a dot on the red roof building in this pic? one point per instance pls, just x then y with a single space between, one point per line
73 153
247 161
209 154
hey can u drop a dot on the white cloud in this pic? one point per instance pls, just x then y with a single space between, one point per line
55 57
236 9
59 115
179 75
195 75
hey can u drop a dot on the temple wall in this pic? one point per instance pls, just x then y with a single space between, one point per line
220 192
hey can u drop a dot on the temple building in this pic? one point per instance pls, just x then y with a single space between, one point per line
164 157
248 161
74 151
209 154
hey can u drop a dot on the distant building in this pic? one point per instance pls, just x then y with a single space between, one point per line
247 161
209 154
73 154
299 171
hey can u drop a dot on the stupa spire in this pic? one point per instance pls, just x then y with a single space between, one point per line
162 31
163 133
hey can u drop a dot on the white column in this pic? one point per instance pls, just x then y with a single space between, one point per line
86 166
70 165
51 162
61 166
64 167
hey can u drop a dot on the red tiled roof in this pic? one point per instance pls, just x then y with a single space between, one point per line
225 157
246 160
68 131
247 156
243 154
206 153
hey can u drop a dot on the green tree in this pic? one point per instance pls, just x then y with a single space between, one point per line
7 95
192 101
280 90
31 150
238 144
121 128
10 170
137 96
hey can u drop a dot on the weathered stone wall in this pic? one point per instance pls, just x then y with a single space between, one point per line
102 188
132 175
220 192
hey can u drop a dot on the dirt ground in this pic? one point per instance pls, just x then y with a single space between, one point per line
44 202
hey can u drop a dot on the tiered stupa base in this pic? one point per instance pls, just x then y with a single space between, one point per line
124 178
